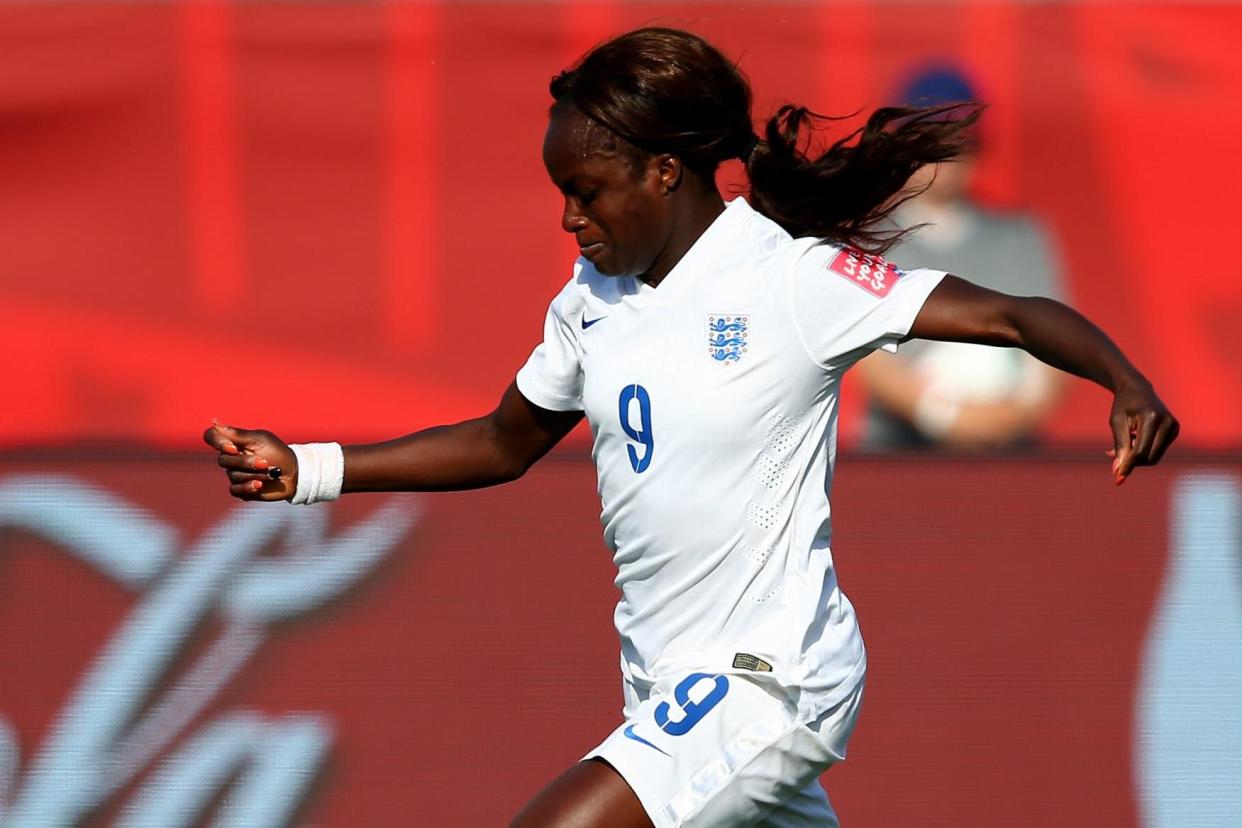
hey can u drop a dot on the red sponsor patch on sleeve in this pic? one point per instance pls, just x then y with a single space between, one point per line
871 273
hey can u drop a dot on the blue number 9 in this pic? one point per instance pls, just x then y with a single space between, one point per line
642 434
692 712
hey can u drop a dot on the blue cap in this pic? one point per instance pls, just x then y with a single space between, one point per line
938 86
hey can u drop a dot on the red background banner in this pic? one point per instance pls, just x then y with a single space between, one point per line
1007 611
331 218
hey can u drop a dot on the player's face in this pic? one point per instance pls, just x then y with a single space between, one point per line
616 210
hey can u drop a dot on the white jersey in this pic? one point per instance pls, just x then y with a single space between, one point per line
713 404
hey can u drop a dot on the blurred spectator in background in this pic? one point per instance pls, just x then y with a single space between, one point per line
949 393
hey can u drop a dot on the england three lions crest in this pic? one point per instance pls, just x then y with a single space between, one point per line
728 337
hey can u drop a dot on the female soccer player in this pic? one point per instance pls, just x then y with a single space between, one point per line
705 344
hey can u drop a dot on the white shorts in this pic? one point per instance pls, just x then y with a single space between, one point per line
729 750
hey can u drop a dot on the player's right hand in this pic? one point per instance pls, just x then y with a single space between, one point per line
248 456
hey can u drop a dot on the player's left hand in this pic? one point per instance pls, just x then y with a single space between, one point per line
1143 429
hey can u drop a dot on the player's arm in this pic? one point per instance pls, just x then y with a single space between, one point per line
492 449
959 311
482 452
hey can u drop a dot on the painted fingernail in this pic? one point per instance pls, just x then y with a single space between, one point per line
260 463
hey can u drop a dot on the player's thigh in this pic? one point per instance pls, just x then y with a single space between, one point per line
589 795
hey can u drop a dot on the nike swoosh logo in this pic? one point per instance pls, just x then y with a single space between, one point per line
630 734
586 324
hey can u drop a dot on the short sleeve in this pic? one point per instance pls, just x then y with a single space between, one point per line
552 376
847 303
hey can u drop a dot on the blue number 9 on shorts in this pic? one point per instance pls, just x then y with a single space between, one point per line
692 711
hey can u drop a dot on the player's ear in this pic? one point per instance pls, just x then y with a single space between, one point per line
671 172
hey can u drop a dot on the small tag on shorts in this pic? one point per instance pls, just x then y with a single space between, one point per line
746 661
871 273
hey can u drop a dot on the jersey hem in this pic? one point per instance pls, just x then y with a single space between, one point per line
811 703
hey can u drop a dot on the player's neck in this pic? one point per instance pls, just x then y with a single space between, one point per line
701 211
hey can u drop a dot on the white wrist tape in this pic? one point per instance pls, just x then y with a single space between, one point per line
933 415
321 471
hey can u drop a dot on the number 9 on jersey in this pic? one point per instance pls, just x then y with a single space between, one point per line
635 400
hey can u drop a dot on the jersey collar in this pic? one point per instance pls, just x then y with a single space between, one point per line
724 240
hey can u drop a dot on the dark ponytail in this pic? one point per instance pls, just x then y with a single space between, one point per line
845 192
669 91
